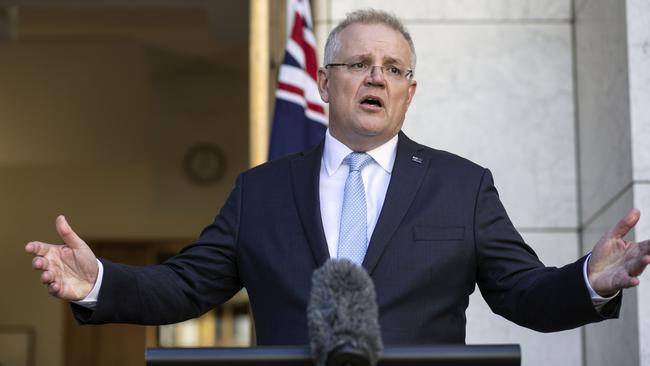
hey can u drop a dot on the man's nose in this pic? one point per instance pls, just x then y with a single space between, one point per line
376 75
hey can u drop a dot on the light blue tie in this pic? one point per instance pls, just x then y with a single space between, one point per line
353 237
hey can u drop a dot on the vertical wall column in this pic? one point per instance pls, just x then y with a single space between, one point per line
613 89
638 35
259 56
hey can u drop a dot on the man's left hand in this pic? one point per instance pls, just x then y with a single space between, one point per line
616 263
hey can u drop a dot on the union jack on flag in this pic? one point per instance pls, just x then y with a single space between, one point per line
299 120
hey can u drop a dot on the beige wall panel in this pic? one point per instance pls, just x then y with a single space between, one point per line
92 132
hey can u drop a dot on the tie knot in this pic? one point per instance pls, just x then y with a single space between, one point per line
356 160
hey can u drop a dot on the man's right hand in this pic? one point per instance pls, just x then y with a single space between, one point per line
69 270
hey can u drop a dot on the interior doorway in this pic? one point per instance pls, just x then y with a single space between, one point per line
135 113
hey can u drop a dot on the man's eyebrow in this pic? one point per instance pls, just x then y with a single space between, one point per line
392 60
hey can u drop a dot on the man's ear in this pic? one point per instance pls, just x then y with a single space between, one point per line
323 85
411 92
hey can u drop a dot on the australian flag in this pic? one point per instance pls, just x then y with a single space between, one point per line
299 120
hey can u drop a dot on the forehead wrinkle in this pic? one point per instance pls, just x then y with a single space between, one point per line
385 59
368 53
361 56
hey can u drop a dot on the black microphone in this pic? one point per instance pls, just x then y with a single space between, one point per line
342 316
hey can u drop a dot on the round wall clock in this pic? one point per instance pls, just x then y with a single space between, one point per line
204 164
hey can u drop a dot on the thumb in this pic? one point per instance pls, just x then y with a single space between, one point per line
626 224
70 238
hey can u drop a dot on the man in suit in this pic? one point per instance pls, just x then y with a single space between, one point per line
431 227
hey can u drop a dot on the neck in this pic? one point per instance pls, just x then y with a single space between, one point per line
360 144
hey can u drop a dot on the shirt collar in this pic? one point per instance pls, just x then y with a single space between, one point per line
335 152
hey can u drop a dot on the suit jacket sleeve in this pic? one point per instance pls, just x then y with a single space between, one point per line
517 285
202 276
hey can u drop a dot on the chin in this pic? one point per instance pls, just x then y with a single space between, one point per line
371 128
369 132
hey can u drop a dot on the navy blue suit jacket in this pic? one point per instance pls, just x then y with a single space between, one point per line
441 231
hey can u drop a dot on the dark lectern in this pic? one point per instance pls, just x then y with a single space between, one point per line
439 355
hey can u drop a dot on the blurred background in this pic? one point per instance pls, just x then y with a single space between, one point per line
133 119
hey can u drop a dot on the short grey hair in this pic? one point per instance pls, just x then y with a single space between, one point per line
366 16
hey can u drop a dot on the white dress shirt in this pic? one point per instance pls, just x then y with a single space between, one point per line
333 174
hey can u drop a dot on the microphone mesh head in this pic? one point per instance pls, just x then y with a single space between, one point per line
343 310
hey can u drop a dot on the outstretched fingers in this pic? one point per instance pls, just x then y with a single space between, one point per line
37 248
47 277
640 259
54 289
40 263
631 282
644 253
618 280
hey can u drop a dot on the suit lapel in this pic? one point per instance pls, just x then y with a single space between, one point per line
305 171
409 170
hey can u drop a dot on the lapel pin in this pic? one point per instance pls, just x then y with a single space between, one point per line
417 159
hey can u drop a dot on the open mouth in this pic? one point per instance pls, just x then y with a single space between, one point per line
372 101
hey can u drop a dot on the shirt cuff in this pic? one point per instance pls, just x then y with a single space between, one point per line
91 299
597 300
